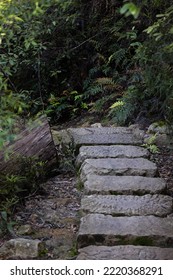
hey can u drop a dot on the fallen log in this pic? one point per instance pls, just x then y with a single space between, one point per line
33 142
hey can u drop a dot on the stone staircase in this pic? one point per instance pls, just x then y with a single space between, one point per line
126 213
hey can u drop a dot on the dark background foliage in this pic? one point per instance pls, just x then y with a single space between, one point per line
67 57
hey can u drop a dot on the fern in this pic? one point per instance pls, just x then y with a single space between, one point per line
120 112
92 91
105 81
117 104
117 57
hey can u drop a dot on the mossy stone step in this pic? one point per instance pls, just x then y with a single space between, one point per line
113 151
128 205
138 185
103 136
128 252
99 229
119 166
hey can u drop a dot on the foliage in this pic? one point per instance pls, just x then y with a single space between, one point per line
123 110
151 80
130 9
14 187
152 148
53 49
6 224
150 144
65 57
155 58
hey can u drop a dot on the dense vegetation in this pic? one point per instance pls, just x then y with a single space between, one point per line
110 58
65 57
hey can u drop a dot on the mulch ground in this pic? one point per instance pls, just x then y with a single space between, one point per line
164 161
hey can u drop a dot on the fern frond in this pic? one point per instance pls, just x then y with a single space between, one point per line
117 56
117 104
105 81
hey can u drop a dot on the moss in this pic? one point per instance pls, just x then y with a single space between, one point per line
114 193
143 240
73 251
42 251
79 185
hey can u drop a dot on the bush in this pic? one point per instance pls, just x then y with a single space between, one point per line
15 187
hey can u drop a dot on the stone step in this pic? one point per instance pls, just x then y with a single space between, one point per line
99 229
100 130
103 136
125 166
128 205
138 185
128 252
113 151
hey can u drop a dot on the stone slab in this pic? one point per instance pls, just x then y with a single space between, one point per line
99 130
125 166
99 229
102 136
128 252
21 248
139 185
113 151
128 205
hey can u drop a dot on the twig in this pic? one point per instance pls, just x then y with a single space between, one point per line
82 43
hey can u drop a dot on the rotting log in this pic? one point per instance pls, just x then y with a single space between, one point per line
35 141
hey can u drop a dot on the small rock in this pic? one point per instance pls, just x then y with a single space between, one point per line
96 125
61 136
163 140
138 133
159 127
159 139
24 230
21 248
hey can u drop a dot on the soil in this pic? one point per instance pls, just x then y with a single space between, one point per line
164 161
53 217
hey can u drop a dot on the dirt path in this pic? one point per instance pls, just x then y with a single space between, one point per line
53 217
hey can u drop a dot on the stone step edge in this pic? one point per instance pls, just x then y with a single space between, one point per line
128 205
124 252
100 229
120 166
123 185
110 151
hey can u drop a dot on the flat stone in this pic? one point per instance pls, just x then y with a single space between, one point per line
112 151
128 205
99 229
61 137
24 230
128 252
123 185
125 166
102 136
99 130
21 248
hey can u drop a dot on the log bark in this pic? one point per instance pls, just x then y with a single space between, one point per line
34 142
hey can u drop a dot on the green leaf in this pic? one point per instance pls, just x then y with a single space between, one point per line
130 9
10 227
117 104
4 215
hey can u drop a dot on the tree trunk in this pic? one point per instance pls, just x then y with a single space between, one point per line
33 142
